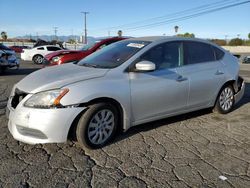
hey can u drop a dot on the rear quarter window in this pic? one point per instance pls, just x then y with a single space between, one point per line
41 48
219 54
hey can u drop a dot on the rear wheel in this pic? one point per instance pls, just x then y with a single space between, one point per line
37 59
225 100
97 126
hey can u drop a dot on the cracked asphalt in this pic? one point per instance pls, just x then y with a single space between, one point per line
190 150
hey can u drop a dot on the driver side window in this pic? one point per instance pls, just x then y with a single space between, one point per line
164 56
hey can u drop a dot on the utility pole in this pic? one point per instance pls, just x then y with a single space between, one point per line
55 30
85 26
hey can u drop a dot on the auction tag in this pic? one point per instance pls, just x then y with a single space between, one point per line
136 45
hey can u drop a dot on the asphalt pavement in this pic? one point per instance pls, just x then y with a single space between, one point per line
199 149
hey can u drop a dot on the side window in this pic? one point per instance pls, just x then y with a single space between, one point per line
197 52
219 54
168 55
51 48
40 48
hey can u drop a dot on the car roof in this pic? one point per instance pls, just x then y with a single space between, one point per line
168 38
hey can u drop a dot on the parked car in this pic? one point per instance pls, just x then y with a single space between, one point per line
246 60
127 83
66 56
18 49
8 58
37 54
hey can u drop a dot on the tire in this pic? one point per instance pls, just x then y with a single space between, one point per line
97 126
225 100
3 69
37 59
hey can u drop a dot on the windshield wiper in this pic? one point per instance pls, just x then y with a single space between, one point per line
89 65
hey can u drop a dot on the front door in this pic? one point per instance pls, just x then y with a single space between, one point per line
160 92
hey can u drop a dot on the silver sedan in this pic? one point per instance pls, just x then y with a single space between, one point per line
128 83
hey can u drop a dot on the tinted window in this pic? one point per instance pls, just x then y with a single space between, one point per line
41 48
168 55
197 52
218 53
51 48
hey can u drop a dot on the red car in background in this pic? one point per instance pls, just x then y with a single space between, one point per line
18 49
66 56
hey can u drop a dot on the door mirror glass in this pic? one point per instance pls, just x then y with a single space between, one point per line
145 66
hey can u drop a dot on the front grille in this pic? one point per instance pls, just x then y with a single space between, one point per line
17 98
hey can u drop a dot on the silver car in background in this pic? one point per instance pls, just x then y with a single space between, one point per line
128 83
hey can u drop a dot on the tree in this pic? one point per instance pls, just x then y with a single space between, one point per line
219 42
236 42
119 33
72 41
176 28
188 35
249 36
4 35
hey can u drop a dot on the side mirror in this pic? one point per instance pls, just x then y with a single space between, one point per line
145 66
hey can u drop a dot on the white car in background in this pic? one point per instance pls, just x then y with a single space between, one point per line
37 54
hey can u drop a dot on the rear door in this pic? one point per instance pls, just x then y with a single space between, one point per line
204 72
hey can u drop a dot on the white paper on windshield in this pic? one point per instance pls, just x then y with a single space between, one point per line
136 45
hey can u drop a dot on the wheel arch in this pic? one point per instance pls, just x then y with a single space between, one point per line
231 82
115 103
36 55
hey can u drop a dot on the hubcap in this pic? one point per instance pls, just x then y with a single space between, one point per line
226 99
101 126
39 59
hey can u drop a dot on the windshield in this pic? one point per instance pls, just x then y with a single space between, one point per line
113 55
88 46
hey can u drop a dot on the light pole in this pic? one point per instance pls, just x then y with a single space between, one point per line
85 26
55 30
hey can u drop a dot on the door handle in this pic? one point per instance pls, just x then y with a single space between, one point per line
181 79
218 72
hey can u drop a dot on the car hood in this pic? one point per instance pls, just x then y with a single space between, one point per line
61 52
57 77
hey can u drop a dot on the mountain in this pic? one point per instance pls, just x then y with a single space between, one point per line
52 37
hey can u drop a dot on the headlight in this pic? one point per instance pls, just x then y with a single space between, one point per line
56 59
47 99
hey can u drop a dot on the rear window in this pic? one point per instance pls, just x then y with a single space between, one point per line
219 54
198 52
52 48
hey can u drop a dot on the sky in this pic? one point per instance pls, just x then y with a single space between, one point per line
39 17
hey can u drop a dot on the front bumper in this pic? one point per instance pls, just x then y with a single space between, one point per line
33 126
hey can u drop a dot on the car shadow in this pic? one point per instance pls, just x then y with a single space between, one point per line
168 121
246 97
163 122
21 71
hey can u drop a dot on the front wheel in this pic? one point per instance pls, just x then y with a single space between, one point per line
97 126
225 100
38 59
